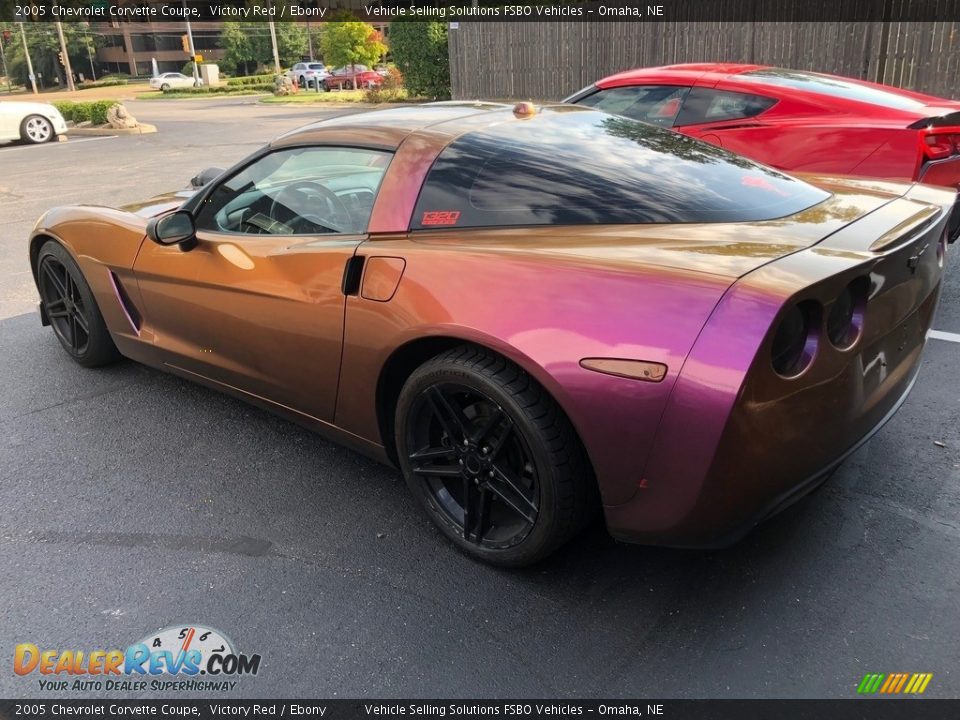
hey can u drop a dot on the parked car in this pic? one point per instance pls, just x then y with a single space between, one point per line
795 120
348 78
30 121
535 313
306 74
171 80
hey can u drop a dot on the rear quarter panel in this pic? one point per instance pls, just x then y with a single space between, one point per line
546 313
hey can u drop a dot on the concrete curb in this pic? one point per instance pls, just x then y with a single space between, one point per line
142 129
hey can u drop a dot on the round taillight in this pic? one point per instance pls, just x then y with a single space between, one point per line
795 342
845 318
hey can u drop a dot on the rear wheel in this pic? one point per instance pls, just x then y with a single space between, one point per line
36 129
71 309
492 458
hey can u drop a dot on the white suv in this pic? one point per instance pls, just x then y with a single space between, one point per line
306 74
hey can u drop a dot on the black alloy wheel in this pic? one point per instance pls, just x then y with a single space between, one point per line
71 308
492 458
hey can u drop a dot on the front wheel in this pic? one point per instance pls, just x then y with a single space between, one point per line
36 129
492 458
71 308
165 87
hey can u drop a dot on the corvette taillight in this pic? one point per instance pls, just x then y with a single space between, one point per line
845 318
795 341
937 146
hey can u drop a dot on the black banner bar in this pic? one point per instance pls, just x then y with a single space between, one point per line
862 709
481 10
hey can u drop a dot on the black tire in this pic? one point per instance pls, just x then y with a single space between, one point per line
164 87
518 485
76 322
37 129
303 81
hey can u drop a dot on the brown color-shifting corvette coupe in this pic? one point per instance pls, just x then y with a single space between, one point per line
536 313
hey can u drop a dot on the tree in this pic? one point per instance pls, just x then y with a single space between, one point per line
247 45
420 51
45 47
291 43
238 51
349 42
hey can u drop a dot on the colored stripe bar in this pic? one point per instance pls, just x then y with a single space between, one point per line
926 681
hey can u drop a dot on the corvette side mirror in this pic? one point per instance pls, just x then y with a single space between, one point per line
205 177
173 229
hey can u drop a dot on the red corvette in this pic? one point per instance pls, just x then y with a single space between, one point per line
795 120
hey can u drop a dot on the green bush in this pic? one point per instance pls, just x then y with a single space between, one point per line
108 81
94 111
390 90
420 51
221 89
98 110
65 107
82 112
251 80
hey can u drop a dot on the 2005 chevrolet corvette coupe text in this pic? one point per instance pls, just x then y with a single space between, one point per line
536 313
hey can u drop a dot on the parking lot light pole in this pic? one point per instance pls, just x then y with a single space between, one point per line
26 54
66 58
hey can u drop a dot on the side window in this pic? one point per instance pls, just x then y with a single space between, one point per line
577 167
298 191
654 104
703 105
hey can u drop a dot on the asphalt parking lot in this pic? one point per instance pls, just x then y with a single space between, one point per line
131 501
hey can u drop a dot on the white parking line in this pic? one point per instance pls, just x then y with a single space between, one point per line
948 336
13 148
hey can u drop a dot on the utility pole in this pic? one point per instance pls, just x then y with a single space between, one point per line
66 58
26 53
86 40
276 53
193 54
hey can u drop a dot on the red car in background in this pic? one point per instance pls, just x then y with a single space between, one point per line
795 120
350 77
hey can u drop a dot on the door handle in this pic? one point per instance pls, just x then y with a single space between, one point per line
352 273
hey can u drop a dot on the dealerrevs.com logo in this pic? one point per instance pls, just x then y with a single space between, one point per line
179 657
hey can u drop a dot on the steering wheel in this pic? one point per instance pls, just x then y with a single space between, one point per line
339 223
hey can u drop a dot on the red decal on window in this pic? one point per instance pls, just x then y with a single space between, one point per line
440 217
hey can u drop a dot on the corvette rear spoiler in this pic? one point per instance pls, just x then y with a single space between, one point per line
937 117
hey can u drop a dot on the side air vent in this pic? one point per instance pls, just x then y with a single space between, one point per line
126 304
